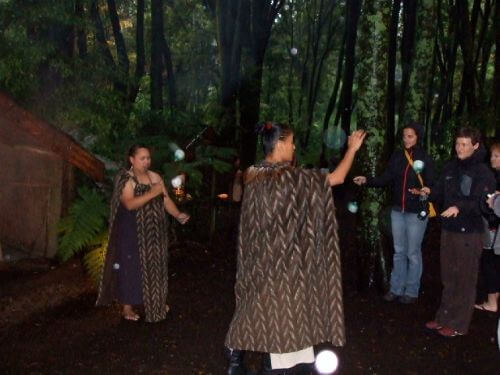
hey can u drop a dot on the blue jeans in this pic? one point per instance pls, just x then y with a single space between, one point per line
407 233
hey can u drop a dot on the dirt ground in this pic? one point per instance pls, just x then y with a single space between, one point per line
49 324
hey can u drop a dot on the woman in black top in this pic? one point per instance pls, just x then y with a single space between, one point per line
407 227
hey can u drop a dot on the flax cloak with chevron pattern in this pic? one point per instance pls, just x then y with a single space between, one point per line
151 222
288 282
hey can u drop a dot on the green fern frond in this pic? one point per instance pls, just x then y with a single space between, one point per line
94 259
85 221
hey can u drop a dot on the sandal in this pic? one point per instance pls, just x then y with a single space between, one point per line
131 317
449 332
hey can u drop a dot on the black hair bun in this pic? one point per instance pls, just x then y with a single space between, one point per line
264 127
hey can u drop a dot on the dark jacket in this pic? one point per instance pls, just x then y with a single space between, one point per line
464 184
488 213
401 177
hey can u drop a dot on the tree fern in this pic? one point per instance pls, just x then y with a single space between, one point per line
85 222
94 259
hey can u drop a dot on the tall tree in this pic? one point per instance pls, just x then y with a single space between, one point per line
421 78
121 49
140 64
446 55
391 73
323 26
262 15
228 15
333 98
370 112
100 35
346 102
81 33
169 65
407 52
157 55
495 97
466 41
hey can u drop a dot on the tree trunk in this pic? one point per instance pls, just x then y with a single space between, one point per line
485 43
446 49
156 55
421 78
407 53
228 19
370 111
333 98
121 49
391 73
172 91
263 15
99 33
320 53
81 34
495 95
345 103
140 64
467 46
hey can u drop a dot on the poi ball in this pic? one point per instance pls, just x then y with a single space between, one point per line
418 166
352 207
326 362
179 155
177 182
334 138
116 266
294 51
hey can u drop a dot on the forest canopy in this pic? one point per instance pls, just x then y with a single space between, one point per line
112 73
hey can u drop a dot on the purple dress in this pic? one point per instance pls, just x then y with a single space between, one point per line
128 266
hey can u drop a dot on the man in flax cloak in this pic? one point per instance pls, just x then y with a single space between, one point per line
288 283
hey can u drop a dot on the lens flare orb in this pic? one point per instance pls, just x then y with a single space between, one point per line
418 166
352 207
177 182
334 138
326 362
179 155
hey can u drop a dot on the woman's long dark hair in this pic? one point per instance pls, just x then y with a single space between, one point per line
271 133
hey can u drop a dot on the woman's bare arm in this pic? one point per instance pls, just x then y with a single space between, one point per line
355 141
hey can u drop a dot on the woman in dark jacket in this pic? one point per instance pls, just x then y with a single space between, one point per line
408 227
490 260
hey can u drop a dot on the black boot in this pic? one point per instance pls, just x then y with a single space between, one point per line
267 369
236 366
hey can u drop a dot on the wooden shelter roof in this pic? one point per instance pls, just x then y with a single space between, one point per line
16 123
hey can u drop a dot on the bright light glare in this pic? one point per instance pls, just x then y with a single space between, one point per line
177 182
326 362
418 166
179 155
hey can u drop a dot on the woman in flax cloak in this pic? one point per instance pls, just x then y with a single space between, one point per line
288 283
135 269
